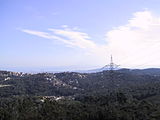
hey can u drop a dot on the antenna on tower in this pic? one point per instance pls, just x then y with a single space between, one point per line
111 66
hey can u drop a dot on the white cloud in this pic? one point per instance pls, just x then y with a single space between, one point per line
135 44
78 39
70 37
46 35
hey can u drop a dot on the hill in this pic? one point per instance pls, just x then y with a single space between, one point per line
72 83
107 95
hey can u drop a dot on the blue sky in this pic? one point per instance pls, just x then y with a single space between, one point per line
78 34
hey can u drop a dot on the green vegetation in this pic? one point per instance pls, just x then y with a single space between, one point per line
120 95
88 107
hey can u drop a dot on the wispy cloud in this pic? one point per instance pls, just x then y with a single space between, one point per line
78 39
70 37
135 43
46 35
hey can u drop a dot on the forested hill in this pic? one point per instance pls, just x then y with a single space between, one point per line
71 83
149 71
109 95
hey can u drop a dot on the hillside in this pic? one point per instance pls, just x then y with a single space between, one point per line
72 83
108 95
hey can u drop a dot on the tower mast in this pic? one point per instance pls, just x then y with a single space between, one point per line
111 66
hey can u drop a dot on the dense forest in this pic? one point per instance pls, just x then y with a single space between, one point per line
108 95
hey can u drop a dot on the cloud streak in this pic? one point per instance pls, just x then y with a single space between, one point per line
70 37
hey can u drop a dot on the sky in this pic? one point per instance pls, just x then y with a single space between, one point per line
79 34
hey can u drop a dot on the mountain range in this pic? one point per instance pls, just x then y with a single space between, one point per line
73 83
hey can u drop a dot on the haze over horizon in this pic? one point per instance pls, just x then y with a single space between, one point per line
77 35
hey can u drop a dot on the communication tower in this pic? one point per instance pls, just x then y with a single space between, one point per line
111 66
